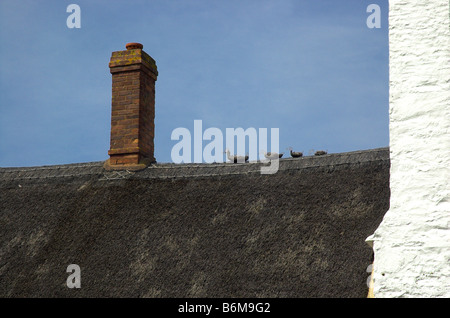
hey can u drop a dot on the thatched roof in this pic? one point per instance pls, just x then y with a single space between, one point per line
193 230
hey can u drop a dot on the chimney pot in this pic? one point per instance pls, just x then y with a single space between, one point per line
134 45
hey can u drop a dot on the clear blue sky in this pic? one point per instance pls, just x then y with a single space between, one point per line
313 69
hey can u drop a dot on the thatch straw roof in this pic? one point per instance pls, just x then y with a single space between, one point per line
193 230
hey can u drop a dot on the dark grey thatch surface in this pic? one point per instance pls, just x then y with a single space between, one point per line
218 230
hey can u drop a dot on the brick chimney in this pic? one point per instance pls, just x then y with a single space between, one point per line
134 74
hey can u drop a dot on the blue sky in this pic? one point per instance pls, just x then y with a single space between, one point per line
313 69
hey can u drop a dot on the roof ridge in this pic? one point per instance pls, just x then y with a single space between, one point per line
171 170
169 165
59 166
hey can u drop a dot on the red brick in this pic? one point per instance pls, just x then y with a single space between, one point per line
133 107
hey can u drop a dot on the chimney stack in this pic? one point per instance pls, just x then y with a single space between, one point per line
134 74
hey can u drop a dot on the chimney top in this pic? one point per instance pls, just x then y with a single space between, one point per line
134 45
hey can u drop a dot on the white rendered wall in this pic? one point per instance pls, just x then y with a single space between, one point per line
412 244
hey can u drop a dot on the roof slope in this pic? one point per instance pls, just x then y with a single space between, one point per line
193 230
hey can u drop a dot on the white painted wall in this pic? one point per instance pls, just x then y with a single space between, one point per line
412 244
